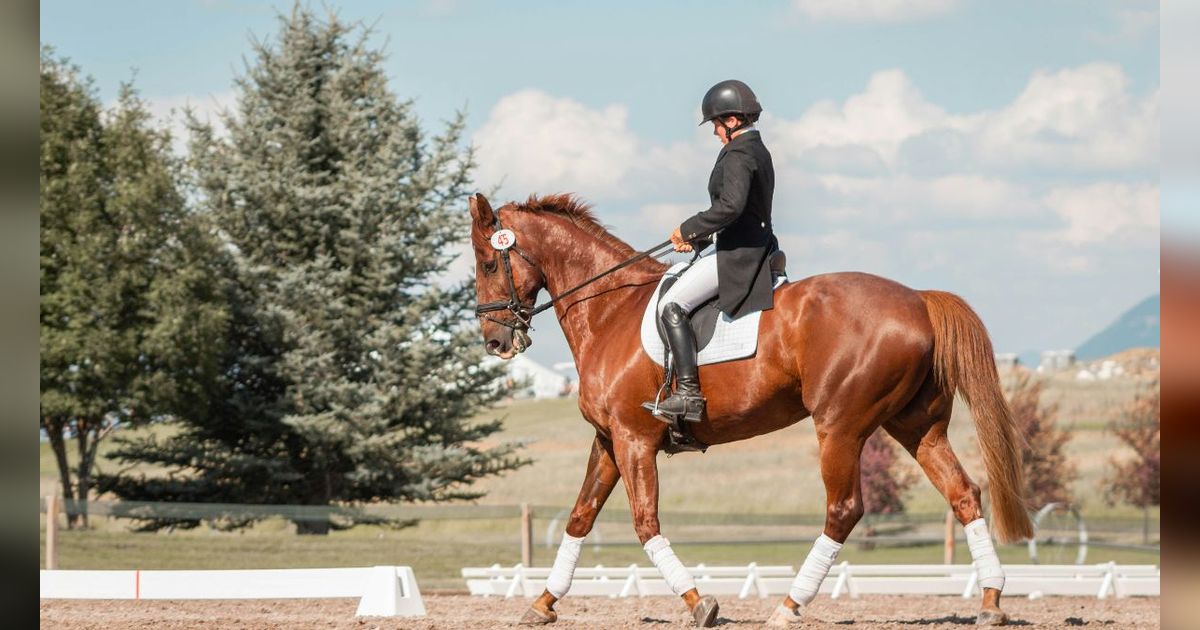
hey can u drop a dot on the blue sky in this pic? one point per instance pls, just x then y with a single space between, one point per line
1004 151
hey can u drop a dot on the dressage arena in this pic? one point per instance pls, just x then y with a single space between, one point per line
463 611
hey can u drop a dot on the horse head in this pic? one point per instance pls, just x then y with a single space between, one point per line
506 285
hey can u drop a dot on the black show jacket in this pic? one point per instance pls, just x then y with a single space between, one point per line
740 187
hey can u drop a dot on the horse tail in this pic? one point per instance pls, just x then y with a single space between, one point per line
963 360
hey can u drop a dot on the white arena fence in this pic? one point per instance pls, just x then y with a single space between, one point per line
1035 580
381 591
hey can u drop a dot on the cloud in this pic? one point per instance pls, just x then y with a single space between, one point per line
533 141
889 111
1109 213
1075 119
661 218
874 10
1131 26
1072 120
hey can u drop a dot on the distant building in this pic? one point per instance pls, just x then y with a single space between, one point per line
1056 360
1007 360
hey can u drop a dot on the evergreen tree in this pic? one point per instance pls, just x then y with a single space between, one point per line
355 374
113 235
1048 472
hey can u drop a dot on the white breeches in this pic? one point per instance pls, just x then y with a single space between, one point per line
695 286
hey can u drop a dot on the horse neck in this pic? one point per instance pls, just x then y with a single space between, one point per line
569 254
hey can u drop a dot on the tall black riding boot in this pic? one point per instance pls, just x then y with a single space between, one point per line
687 403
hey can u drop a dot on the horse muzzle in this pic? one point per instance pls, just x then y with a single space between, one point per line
521 340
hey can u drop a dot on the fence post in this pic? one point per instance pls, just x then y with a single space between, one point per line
526 535
948 552
52 531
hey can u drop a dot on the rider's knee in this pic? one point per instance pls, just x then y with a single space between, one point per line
673 314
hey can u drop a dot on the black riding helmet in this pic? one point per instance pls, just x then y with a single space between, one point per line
730 98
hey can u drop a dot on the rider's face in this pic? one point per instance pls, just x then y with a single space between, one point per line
719 131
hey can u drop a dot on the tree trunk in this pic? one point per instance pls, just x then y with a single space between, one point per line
312 528
54 430
324 498
84 474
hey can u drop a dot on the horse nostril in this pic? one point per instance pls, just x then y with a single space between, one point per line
493 345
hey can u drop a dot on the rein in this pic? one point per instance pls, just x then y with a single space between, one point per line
525 312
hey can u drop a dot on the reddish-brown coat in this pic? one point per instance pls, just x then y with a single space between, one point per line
853 350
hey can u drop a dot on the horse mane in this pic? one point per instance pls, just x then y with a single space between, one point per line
579 212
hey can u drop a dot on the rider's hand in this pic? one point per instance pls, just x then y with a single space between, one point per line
680 244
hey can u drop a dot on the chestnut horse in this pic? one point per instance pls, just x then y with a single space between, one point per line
852 350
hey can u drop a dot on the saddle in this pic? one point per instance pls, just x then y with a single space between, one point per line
718 339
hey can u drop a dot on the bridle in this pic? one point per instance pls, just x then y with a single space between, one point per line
520 310
524 312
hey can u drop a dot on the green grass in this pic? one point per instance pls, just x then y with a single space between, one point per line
766 475
437 560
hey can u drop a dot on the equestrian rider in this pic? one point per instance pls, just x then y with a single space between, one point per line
737 269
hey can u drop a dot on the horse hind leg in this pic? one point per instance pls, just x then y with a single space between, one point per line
598 483
922 429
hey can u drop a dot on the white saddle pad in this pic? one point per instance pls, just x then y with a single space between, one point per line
731 339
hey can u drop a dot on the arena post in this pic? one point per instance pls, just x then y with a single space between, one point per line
52 531
526 535
948 551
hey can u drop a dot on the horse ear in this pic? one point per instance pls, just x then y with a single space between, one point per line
481 210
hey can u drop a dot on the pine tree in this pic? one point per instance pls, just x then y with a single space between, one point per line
355 374
114 228
1048 472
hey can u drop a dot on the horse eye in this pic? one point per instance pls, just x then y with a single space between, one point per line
489 267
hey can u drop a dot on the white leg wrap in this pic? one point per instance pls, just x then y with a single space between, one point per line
983 555
672 570
559 581
816 566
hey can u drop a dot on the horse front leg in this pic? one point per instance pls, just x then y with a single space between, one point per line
840 470
598 483
637 460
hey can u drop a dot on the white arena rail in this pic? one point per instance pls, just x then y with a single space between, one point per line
1098 580
382 591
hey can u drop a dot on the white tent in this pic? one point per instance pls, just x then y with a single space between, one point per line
541 381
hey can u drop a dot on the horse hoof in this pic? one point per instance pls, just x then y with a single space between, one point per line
784 617
705 612
991 618
535 617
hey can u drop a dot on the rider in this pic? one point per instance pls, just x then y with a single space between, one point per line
737 270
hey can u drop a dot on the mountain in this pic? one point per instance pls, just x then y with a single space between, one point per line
1135 328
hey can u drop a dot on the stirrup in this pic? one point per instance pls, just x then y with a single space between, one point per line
693 410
